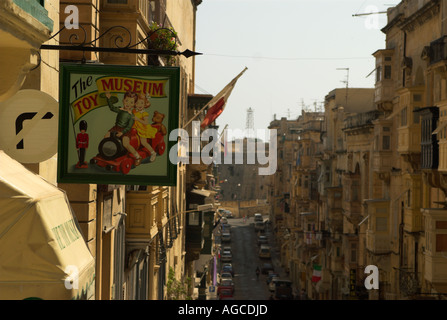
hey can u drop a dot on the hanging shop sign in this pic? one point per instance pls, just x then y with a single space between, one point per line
115 123
28 126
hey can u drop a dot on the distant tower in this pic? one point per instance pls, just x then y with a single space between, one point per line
249 126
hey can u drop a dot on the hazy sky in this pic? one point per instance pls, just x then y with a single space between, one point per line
292 49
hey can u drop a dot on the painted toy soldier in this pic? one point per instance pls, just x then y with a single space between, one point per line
82 144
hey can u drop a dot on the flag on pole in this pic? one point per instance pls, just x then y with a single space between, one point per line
217 104
316 275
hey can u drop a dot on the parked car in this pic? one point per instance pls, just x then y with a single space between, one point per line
262 239
271 274
266 267
272 283
227 267
226 276
226 256
226 237
258 217
226 248
226 294
225 285
283 290
264 252
229 214
259 226
226 227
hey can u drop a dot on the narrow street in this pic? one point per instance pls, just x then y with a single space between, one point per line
245 259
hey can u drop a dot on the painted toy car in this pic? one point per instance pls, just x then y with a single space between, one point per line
113 156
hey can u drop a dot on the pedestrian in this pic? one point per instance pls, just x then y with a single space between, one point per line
258 271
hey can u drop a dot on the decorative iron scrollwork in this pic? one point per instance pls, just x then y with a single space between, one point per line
122 43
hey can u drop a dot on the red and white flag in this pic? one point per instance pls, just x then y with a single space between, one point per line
217 104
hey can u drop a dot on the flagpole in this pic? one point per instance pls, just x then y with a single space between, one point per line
201 110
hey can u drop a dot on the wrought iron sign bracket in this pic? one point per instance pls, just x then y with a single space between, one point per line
119 40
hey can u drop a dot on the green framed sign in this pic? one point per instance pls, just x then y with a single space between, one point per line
114 124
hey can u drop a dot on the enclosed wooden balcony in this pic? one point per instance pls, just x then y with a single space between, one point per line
429 142
378 231
436 245
409 124
335 208
352 196
336 265
385 79
413 219
141 209
382 155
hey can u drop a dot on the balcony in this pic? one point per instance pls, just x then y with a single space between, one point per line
360 120
351 199
409 124
194 234
384 87
438 50
409 283
141 208
377 243
436 245
378 231
442 136
24 27
429 143
336 264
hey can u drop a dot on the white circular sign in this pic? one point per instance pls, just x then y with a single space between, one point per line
29 126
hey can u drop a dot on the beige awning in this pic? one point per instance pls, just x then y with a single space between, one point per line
43 254
203 192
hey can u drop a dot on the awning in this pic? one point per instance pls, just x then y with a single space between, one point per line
43 254
203 192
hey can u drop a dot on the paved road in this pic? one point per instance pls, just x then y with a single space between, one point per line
245 260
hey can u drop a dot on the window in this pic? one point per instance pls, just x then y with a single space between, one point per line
441 242
193 218
387 73
386 142
403 117
415 116
381 224
378 74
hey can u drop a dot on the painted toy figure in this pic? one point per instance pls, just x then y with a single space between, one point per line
82 144
144 128
124 121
